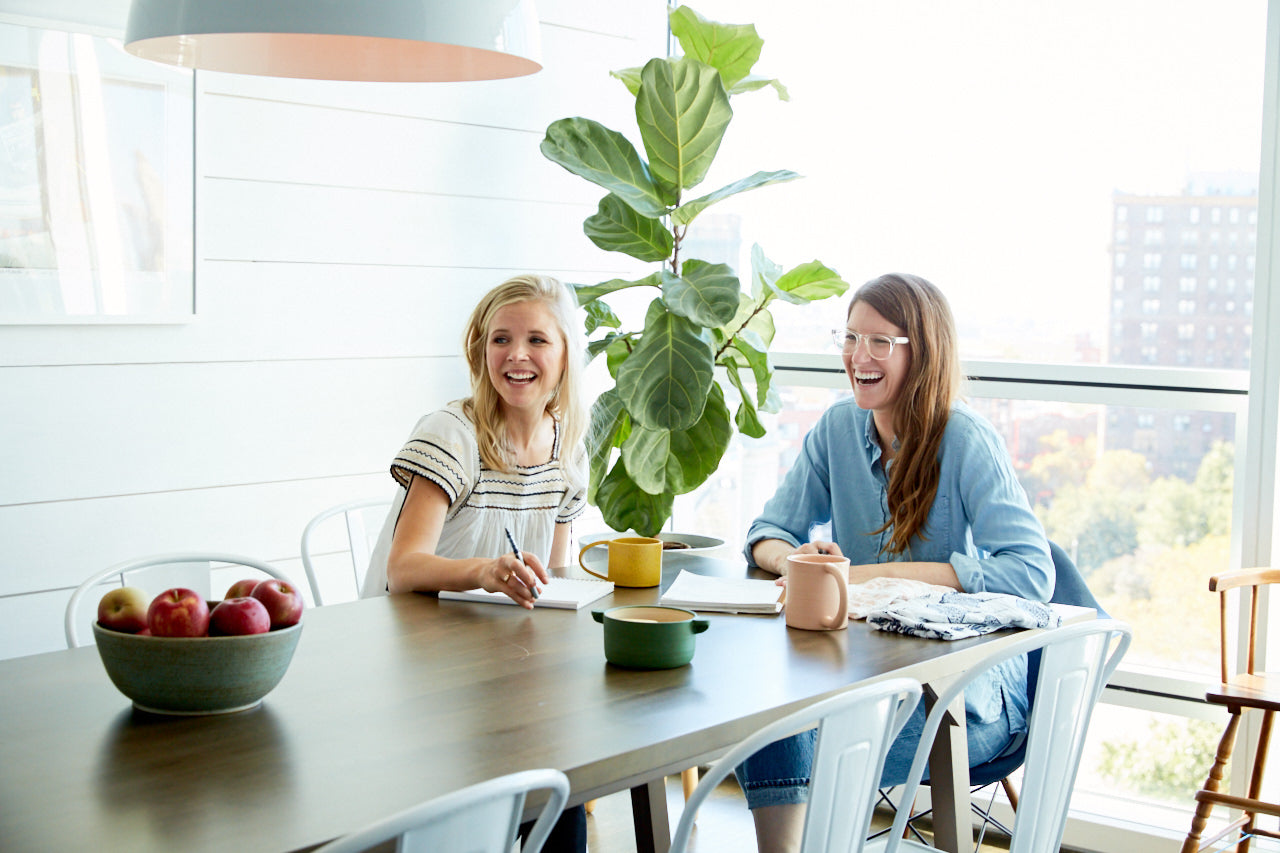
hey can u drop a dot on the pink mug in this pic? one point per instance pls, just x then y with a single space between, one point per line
817 592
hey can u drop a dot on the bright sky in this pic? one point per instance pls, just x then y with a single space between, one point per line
978 142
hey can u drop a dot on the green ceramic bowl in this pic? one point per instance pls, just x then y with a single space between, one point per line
196 675
649 636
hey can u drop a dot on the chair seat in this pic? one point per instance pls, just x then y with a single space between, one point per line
1248 690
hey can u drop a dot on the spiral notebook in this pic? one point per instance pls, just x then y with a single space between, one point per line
560 593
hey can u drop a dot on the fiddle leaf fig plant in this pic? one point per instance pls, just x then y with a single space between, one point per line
669 413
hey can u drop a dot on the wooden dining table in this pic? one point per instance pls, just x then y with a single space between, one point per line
394 700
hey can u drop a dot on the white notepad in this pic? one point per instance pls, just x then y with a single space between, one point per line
723 595
560 593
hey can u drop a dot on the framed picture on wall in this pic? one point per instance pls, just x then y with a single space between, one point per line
96 182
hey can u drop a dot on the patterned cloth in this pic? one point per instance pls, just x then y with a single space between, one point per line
956 615
879 593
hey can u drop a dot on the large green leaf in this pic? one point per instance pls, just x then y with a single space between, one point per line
747 418
594 348
626 506
708 294
609 424
600 314
731 49
679 461
751 84
605 157
683 111
764 273
749 351
809 282
665 380
752 316
585 293
685 213
616 227
630 78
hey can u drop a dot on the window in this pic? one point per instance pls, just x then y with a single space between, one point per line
1077 242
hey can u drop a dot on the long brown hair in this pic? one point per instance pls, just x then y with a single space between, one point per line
924 402
566 403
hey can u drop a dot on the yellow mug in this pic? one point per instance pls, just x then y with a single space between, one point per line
634 561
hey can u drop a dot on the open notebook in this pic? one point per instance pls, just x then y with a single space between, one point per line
560 593
723 595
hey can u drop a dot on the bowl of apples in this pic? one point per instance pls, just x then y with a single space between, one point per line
180 654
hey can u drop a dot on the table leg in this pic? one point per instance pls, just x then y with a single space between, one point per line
949 781
649 810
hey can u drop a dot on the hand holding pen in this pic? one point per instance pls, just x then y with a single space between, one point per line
518 581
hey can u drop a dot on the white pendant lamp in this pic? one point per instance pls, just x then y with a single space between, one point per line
367 40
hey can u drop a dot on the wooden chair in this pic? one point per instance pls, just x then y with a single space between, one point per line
1239 692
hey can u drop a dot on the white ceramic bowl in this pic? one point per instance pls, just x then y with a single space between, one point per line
694 543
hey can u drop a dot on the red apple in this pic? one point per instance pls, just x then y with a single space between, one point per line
178 612
241 589
123 609
282 600
236 616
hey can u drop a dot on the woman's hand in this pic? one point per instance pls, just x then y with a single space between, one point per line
771 554
520 580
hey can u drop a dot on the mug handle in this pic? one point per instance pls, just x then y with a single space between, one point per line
842 580
598 615
584 550
700 625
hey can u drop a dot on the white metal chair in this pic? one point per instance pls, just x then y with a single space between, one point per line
1075 664
855 730
358 540
482 818
185 568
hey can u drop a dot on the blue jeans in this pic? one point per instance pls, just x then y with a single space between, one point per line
779 773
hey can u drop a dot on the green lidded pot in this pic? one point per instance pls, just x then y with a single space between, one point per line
649 636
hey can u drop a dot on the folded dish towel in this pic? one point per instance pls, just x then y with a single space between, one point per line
955 615
879 593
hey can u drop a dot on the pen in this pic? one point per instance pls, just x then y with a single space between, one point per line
516 551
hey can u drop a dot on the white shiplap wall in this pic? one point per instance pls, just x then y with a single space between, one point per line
343 232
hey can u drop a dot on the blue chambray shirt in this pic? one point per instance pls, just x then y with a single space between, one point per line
980 523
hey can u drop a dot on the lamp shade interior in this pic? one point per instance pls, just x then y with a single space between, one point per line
377 40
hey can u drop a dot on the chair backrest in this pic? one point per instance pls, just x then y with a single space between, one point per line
483 818
855 730
1252 579
185 568
1076 662
359 537
1069 586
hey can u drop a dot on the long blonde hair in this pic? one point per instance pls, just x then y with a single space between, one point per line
566 402
930 389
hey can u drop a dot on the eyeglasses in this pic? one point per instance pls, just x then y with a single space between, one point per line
879 347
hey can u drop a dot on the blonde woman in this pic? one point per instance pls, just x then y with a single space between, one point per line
914 484
509 457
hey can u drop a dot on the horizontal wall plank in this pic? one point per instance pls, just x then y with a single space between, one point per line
249 310
263 520
269 222
102 431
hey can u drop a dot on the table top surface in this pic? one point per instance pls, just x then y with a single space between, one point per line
394 700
